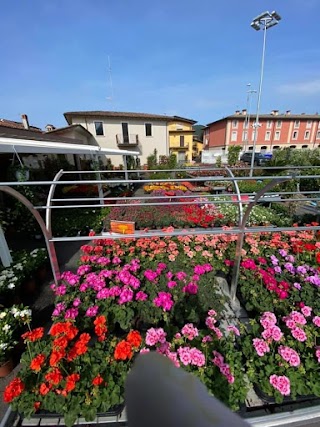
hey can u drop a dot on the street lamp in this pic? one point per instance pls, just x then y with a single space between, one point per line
263 21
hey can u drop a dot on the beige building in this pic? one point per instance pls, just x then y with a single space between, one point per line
139 132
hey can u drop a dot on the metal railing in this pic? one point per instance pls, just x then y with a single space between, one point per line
223 175
129 140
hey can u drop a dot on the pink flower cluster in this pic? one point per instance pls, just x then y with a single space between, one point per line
190 331
224 368
211 321
164 300
289 355
318 353
155 336
316 321
191 356
280 383
260 346
291 322
271 332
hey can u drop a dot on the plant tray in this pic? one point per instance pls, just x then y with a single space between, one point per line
287 399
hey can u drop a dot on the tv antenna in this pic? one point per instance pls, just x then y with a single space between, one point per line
111 97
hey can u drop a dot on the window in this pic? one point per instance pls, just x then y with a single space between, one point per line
181 140
296 124
148 127
179 126
254 135
244 136
307 134
293 146
234 135
304 146
263 148
309 124
295 134
235 124
277 135
267 136
279 124
99 128
250 148
269 124
318 134
245 125
276 147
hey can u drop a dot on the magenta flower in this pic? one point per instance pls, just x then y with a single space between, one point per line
164 300
181 275
306 311
298 318
141 296
171 284
71 314
234 329
197 357
184 355
126 295
206 339
92 311
59 308
150 275
280 383
76 302
174 358
191 288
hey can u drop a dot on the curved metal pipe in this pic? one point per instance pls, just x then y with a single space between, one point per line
46 233
49 198
236 186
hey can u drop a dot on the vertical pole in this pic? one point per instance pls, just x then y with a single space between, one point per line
256 124
5 255
126 175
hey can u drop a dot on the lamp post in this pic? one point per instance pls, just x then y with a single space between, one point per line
263 21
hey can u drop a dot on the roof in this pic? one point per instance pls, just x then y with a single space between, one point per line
6 132
17 125
270 117
125 115
67 128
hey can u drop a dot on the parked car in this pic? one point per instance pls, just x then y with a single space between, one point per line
259 159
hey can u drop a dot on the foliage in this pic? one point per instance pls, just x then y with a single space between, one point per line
218 161
74 221
233 154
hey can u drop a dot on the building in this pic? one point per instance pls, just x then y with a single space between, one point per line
181 138
275 131
138 132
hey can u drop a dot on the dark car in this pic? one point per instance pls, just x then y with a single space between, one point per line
259 159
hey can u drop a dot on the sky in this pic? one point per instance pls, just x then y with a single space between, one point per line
187 58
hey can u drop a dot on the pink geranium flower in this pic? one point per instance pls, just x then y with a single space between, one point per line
280 383
190 331
260 346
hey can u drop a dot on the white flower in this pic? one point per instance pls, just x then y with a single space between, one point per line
11 286
6 328
3 314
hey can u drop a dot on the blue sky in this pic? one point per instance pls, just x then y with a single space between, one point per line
189 58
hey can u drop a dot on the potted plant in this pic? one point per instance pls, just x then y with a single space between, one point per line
12 321
283 354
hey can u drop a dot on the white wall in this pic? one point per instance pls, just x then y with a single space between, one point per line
112 126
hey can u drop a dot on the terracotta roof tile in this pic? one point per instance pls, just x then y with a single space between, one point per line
17 125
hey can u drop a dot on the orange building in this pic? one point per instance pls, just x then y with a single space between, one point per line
275 131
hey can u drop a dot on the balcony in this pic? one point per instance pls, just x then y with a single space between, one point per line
131 140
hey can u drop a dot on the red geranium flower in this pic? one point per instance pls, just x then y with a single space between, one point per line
64 328
100 327
34 335
56 356
54 377
98 380
37 362
36 406
13 390
44 389
123 351
134 338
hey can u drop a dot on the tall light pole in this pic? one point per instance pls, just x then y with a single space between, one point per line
246 125
263 21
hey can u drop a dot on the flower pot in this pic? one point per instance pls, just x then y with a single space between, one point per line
286 399
6 368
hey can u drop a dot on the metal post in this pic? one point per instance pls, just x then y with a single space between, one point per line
256 124
242 227
5 255
126 175
50 196
236 186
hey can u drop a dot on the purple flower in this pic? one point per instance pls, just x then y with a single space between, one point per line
283 252
297 285
191 288
76 302
274 260
59 308
277 269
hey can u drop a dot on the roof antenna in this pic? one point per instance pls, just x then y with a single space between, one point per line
111 97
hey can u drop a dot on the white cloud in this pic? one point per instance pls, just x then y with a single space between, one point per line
307 88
